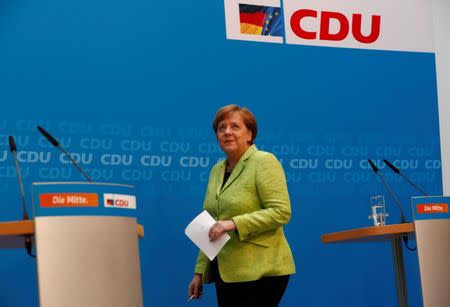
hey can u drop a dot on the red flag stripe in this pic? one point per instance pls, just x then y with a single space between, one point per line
258 18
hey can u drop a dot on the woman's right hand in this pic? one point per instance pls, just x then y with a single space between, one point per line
195 287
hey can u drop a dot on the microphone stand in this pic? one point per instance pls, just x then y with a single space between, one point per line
55 143
402 216
375 169
28 241
396 170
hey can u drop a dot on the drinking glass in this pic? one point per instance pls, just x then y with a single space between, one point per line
378 210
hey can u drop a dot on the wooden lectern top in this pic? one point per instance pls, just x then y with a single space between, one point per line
369 234
12 232
17 228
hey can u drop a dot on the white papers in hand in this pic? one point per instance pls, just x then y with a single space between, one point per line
198 230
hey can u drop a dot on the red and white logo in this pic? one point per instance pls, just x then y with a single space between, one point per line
403 25
432 208
119 201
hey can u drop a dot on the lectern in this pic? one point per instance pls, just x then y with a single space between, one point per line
394 234
432 221
86 238
431 229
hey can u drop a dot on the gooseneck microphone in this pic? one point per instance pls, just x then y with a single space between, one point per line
55 143
12 147
396 170
375 169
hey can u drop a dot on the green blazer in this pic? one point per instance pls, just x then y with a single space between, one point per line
255 197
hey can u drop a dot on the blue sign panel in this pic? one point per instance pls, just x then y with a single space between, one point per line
430 207
130 89
79 198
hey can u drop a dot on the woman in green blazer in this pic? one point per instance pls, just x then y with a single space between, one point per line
247 196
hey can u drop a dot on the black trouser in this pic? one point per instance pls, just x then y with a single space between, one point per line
264 292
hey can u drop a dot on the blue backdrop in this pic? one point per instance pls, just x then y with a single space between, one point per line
131 90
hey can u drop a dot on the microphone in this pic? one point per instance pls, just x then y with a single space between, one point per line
375 169
12 147
396 170
55 143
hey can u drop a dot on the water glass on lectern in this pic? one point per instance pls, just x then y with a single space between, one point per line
378 210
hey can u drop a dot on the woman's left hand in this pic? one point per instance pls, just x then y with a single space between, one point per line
221 227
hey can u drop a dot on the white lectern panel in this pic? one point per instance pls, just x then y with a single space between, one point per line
432 226
88 261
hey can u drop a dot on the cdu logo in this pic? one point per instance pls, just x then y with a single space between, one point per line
402 25
306 23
